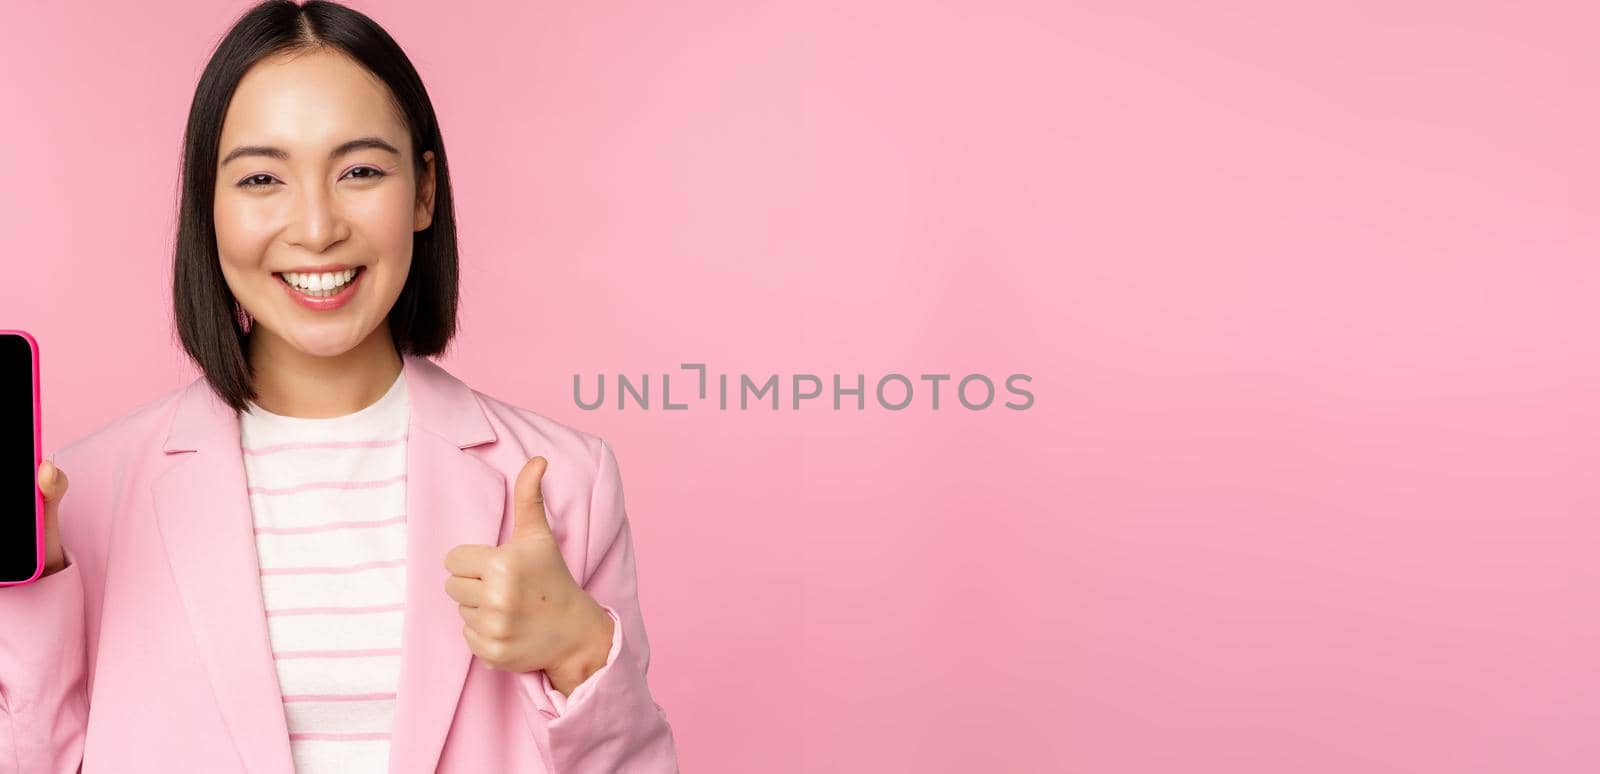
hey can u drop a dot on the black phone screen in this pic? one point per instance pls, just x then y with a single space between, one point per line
18 468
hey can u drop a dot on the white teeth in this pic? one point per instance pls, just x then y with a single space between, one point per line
319 284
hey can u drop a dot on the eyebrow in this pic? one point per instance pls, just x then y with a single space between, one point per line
282 155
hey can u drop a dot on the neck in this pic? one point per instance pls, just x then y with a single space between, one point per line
295 383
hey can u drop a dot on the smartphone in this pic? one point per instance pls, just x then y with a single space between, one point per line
21 502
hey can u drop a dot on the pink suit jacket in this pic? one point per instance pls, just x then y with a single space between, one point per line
149 652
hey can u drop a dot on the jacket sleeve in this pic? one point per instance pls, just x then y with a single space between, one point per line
610 723
44 701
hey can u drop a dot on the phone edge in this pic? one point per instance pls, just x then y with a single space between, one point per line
38 458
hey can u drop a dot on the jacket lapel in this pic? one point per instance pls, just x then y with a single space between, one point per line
452 498
203 511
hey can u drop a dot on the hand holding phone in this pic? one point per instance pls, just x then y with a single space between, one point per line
53 483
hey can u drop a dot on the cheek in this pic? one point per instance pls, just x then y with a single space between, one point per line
243 231
386 221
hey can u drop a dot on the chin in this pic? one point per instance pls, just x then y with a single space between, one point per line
327 344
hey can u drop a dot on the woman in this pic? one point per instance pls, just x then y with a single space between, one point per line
327 553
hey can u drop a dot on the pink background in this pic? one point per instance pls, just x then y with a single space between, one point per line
1307 296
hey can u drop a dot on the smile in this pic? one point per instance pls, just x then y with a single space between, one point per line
322 292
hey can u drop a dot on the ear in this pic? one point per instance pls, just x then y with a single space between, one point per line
423 217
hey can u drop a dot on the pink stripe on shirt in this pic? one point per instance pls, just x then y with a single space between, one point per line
329 526
267 490
295 445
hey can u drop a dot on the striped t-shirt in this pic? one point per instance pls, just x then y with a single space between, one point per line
328 501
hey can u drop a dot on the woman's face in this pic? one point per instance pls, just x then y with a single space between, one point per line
315 178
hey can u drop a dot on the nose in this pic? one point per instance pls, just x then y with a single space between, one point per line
316 222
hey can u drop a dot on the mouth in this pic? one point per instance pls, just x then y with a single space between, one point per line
328 290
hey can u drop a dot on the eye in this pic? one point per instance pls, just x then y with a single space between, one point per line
248 182
376 173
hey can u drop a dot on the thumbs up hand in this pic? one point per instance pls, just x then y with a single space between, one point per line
523 609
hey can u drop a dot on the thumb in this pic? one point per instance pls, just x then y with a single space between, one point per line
52 483
530 513
53 486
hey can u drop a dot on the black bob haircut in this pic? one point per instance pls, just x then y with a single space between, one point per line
213 327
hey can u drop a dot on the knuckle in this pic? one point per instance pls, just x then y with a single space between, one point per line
499 565
496 598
